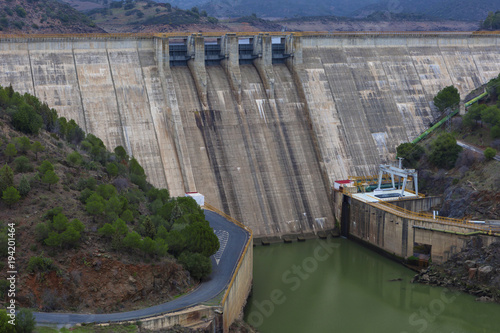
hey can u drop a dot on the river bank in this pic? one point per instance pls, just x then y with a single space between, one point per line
475 270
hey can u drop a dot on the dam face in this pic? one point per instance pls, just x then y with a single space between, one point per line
262 130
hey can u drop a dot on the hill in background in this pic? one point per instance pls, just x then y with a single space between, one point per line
43 16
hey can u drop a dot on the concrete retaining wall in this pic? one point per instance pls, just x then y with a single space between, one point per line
236 296
397 235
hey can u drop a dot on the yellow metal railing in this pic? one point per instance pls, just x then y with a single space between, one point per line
245 250
425 216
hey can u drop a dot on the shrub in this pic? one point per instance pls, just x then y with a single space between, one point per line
11 196
24 187
132 241
85 194
50 178
22 164
45 166
51 213
23 144
121 153
10 151
6 177
74 158
197 264
444 151
42 231
25 321
411 153
107 230
489 153
60 222
495 132
26 120
37 147
5 326
40 264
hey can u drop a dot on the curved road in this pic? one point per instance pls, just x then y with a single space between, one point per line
233 240
475 149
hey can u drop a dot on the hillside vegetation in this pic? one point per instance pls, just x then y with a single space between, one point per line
43 16
137 16
468 181
92 234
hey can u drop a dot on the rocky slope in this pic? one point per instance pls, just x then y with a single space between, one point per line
475 270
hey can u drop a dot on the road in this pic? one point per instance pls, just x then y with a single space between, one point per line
235 239
475 149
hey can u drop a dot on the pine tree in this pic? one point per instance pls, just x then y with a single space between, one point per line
10 151
50 178
11 196
37 147
6 177
24 187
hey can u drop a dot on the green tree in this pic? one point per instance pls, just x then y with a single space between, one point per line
11 196
491 115
201 239
24 187
50 178
42 231
45 166
473 115
54 239
5 326
149 227
411 152
74 158
444 151
95 205
10 151
106 191
121 153
495 132
447 98
107 230
148 246
70 237
132 241
25 321
77 225
6 177
113 207
23 144
127 216
22 164
112 169
60 222
197 264
26 120
136 168
489 153
37 147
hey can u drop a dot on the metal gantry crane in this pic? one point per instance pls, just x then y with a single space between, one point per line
397 171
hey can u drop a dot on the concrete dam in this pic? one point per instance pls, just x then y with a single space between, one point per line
261 124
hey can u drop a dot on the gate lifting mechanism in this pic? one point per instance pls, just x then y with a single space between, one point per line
397 171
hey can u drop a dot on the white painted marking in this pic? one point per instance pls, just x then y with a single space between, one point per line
223 237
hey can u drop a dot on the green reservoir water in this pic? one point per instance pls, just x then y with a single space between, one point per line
339 286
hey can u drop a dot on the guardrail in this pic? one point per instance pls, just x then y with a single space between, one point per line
427 217
238 223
